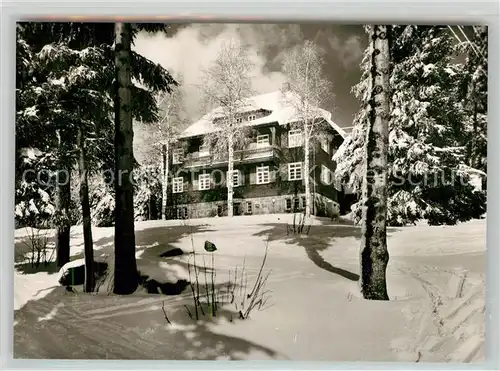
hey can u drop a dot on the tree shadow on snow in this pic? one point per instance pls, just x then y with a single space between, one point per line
65 325
158 260
320 238
28 268
151 242
70 325
23 249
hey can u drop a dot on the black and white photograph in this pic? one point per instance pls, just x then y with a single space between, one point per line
250 191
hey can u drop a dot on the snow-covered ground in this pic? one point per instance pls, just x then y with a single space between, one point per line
435 280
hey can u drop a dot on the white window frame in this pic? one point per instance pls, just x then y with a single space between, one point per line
325 175
252 117
288 200
203 150
239 120
177 154
295 138
204 182
178 184
263 141
295 171
249 207
238 178
265 176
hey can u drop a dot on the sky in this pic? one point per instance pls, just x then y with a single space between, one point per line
188 49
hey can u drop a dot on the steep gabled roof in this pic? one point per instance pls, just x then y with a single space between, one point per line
277 102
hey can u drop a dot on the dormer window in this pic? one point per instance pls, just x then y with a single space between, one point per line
204 150
262 140
251 117
295 138
239 120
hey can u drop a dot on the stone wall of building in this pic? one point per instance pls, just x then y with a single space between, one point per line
323 206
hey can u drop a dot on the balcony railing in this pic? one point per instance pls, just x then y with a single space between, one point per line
252 153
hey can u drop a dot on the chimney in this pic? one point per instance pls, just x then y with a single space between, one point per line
285 86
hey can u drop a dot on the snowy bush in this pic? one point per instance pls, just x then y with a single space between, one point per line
34 206
147 187
103 213
37 244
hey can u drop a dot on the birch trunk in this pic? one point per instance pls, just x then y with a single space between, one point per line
126 277
88 250
164 183
229 180
374 255
307 183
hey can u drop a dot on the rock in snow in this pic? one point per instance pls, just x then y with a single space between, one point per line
73 273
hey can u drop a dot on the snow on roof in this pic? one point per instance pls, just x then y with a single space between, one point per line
277 102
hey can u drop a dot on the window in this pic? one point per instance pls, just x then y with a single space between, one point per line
177 156
178 185
326 175
295 138
239 120
182 212
296 204
288 204
249 207
204 150
295 171
262 140
324 144
303 202
204 182
262 174
235 178
252 117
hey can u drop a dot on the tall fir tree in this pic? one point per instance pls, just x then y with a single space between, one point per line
425 151
64 68
474 92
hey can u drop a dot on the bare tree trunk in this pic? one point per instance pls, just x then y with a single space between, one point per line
229 180
374 255
63 200
164 182
126 277
88 250
306 176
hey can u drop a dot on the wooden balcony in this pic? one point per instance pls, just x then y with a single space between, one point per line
253 153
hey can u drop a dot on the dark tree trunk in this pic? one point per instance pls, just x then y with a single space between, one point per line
88 250
374 256
63 200
126 277
63 197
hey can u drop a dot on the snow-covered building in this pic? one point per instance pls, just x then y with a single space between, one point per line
269 176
